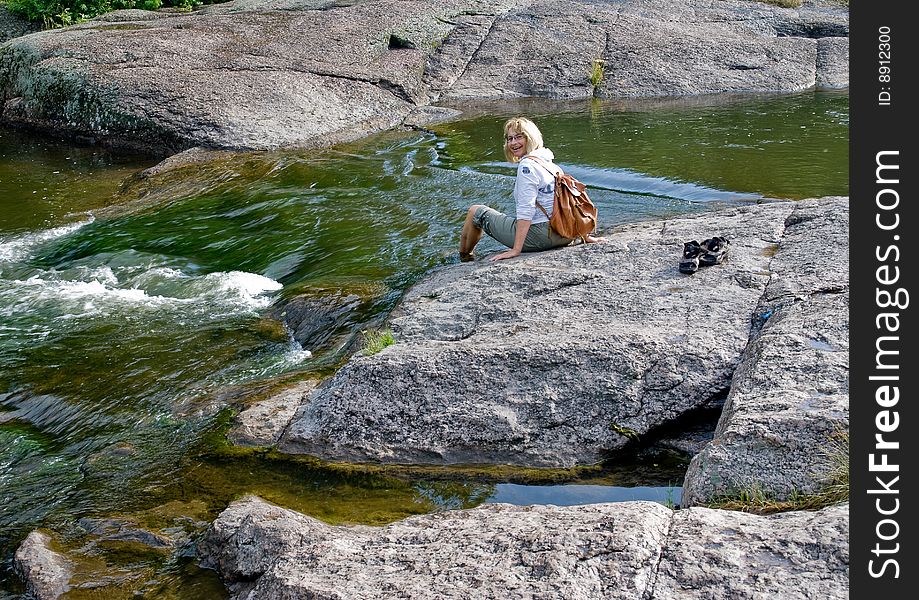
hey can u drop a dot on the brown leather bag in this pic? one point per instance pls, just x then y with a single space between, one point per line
574 215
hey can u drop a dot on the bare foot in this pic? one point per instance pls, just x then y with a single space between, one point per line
593 240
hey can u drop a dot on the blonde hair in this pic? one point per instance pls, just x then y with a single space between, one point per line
528 128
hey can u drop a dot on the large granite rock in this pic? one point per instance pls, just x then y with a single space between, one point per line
554 358
12 25
649 48
256 75
46 572
247 76
624 550
790 394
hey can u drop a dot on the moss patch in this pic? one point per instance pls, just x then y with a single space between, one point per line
770 250
626 432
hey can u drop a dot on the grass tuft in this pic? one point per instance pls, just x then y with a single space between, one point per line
597 72
376 340
770 250
834 460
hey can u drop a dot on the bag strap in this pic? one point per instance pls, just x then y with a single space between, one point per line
545 165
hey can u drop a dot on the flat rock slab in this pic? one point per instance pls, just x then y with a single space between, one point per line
237 77
790 394
263 423
622 550
261 75
725 555
554 358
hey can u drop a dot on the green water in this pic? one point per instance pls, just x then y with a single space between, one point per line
133 311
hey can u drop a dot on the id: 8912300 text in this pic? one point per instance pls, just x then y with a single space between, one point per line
884 65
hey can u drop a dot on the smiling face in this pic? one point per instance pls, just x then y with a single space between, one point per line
516 143
521 136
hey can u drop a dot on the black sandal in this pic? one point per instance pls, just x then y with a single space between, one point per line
691 253
714 250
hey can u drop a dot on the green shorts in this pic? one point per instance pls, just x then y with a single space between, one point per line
504 229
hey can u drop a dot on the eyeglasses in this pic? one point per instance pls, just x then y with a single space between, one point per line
514 138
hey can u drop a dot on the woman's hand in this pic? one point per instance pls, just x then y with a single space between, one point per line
593 240
506 254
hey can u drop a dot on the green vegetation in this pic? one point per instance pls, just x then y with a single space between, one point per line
61 13
597 72
375 341
669 503
835 461
626 432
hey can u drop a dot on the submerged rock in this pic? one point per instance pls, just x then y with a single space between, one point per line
46 573
622 550
315 316
245 74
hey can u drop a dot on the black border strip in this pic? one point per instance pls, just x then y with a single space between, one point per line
883 236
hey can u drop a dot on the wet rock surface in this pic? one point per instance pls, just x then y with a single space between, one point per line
259 75
622 550
314 318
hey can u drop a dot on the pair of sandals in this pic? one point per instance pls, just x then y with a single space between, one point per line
710 252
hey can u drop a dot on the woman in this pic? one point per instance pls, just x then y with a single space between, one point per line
530 231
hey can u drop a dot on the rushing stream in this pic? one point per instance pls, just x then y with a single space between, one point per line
133 311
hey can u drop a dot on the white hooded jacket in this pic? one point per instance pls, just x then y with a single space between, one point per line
535 184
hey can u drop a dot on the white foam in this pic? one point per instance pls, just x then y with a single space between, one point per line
246 288
18 247
89 292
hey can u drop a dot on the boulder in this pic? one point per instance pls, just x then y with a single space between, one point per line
236 76
790 394
494 551
46 572
306 73
554 358
621 550
12 25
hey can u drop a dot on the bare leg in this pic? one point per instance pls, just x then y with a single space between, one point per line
471 233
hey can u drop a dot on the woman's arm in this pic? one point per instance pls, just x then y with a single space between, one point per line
523 226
